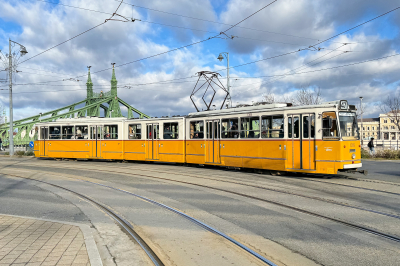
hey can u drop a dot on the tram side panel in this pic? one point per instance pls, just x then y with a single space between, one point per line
195 144
172 141
195 151
172 151
134 149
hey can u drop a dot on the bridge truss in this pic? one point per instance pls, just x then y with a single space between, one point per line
26 131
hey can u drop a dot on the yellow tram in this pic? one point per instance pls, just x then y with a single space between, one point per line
312 139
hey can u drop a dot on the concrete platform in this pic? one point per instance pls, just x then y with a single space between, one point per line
34 242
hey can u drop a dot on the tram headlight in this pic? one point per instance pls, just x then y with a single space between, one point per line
353 156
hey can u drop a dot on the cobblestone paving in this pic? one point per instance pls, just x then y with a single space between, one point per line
32 242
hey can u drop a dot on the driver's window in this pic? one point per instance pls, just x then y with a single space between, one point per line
329 125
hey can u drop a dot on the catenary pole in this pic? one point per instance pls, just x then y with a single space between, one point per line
11 135
361 137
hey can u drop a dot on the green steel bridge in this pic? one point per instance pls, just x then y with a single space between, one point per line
26 131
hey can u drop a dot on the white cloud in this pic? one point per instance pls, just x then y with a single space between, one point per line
44 25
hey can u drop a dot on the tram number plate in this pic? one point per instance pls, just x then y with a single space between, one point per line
250 114
352 150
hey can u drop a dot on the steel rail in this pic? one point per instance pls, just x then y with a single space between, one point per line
363 188
283 192
349 224
352 225
122 222
126 225
199 223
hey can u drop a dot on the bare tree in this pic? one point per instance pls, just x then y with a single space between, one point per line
391 107
269 97
308 97
361 109
2 115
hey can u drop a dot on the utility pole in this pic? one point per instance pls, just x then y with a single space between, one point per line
361 111
10 69
11 135
220 58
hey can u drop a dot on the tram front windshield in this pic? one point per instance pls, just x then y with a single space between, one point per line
348 125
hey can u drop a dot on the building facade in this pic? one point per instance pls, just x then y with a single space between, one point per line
382 129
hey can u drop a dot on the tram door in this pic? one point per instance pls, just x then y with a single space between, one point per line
152 141
96 135
308 141
213 141
301 132
44 132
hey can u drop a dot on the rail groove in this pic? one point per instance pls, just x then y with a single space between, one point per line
349 224
281 191
122 222
140 241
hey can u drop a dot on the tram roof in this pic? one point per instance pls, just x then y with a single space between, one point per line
86 119
265 107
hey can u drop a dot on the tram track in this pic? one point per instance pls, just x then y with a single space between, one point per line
340 221
392 215
125 225
128 228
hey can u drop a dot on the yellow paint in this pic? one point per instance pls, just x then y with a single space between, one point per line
317 156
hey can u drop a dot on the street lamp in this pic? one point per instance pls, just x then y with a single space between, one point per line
220 58
361 111
10 69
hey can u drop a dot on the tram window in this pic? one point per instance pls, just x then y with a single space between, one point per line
135 131
68 132
153 131
44 133
170 131
230 128
290 127
329 125
312 121
308 125
250 127
197 130
296 127
273 126
81 132
111 132
55 132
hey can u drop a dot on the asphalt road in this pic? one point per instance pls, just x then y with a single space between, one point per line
268 228
382 170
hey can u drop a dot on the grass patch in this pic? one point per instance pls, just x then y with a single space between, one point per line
381 154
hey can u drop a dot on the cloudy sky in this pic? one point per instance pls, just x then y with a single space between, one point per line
283 28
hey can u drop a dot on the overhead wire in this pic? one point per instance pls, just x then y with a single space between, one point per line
165 51
63 42
250 16
315 45
216 22
72 37
214 37
304 66
308 64
270 76
356 26
152 22
329 68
